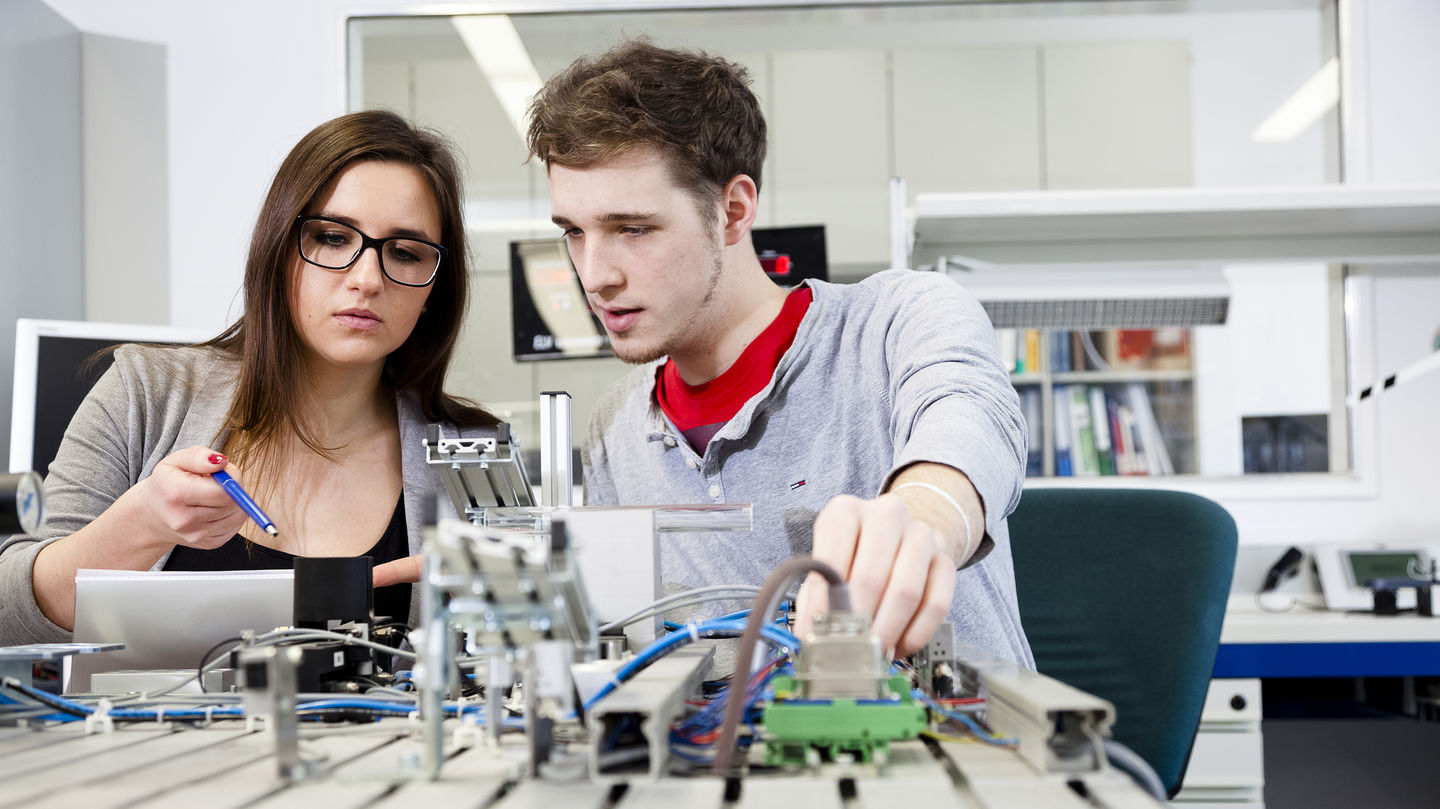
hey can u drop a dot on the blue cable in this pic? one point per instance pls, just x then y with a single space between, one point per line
190 712
970 724
663 645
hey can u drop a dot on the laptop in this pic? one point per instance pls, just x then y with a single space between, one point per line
168 619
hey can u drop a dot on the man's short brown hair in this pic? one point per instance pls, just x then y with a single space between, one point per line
697 110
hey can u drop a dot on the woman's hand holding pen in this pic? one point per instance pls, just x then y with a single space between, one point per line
181 503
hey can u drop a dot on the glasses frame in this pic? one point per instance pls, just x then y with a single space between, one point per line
365 243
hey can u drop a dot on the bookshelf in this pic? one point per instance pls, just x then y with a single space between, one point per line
1163 230
1122 406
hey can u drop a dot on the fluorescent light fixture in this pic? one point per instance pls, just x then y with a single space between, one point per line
495 46
1317 96
1072 298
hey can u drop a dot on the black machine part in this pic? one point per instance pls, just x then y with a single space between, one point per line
330 591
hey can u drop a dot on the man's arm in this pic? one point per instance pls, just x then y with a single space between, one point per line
899 553
952 408
944 497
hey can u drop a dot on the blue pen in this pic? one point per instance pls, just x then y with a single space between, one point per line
232 488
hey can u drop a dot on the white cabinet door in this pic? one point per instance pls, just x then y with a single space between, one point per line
967 119
1117 115
830 137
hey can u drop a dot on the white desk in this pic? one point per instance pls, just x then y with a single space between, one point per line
1305 642
1226 765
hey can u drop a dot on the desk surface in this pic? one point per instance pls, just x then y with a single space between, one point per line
1304 642
146 766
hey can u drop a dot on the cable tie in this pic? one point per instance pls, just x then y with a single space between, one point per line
694 633
209 710
964 518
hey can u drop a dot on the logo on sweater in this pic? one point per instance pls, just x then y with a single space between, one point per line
797 484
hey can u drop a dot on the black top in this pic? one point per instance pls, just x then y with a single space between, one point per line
238 554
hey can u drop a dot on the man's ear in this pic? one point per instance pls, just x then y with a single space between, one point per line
740 201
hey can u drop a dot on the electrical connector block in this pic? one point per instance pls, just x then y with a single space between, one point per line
841 700
858 727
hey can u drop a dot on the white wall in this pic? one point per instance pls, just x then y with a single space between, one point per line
41 208
245 81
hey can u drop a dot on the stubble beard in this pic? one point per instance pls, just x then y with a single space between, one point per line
685 333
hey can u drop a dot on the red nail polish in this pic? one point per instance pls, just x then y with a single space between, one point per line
216 458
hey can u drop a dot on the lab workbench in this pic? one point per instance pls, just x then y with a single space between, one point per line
153 766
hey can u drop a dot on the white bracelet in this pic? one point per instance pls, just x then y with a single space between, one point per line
964 520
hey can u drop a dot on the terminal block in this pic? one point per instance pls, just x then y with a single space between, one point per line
841 700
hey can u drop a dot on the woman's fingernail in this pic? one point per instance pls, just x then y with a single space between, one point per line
216 458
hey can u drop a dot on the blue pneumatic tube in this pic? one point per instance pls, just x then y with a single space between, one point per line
242 499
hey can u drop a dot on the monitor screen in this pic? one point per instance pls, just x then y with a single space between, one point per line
53 373
792 254
551 319
1367 566
549 315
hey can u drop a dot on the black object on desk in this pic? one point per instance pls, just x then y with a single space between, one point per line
1387 593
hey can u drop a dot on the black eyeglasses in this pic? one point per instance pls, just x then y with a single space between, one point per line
335 246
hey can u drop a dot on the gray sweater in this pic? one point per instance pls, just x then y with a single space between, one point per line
151 402
898 369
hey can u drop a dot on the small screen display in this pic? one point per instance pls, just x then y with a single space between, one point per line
1367 567
548 312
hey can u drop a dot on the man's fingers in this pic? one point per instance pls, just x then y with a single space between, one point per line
882 522
907 583
837 529
397 572
934 606
814 598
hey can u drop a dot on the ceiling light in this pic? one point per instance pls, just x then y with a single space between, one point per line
1300 111
495 46
1073 298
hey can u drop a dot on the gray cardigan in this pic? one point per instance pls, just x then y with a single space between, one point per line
898 369
151 402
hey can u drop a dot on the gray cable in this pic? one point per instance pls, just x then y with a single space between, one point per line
271 639
1129 762
766 602
717 592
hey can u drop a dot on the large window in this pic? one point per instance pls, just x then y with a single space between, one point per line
962 97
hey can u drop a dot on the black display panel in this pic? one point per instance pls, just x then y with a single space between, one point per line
68 367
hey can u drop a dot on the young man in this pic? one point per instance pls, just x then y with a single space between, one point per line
869 424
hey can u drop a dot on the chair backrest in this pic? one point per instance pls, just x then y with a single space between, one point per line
1122 593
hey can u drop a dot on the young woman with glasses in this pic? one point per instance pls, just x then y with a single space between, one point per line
317 398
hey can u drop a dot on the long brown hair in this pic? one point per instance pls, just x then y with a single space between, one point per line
269 391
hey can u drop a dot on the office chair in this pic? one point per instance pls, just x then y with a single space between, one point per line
1122 593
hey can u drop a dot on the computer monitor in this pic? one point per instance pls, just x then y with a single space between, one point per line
54 372
792 254
549 315
550 318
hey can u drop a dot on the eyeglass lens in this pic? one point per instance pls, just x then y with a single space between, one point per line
335 247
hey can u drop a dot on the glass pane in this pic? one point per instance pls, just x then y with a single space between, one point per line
963 97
